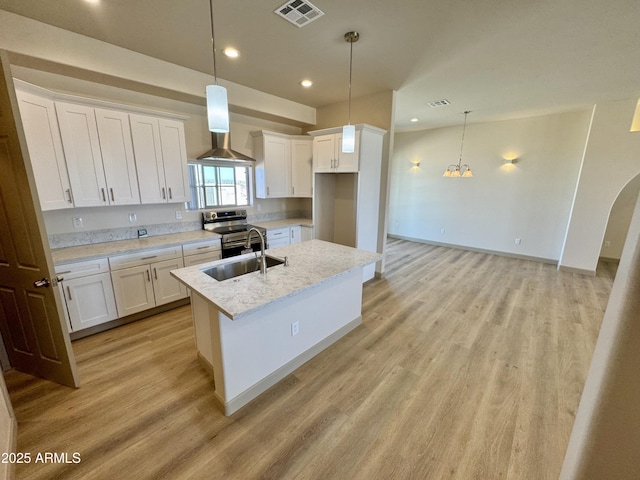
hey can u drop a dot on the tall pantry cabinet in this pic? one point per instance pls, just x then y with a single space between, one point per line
346 192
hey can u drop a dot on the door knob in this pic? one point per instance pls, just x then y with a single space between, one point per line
41 283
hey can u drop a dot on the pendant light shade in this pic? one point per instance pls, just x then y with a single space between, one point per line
217 109
348 139
458 170
349 131
217 104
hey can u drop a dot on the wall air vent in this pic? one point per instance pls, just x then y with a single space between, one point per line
439 103
299 12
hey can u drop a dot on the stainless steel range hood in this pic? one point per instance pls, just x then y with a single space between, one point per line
221 150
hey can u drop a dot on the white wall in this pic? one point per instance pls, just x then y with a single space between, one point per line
611 159
529 200
619 220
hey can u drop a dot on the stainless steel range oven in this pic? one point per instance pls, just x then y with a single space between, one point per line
233 227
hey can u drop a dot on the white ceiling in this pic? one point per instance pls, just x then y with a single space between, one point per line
498 58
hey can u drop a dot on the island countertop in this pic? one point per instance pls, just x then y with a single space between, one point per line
310 263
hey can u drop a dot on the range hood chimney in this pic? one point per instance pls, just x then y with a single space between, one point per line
221 150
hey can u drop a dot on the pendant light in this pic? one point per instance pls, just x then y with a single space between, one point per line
217 105
349 131
455 170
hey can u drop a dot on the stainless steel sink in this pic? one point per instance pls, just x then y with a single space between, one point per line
240 267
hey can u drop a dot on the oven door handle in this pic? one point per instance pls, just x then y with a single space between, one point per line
236 243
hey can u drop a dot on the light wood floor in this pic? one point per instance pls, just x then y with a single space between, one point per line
467 366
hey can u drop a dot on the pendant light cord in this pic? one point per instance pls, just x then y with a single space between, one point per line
213 44
350 70
464 127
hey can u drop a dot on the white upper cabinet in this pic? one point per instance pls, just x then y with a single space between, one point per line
117 157
81 144
45 151
161 159
301 167
283 165
99 155
328 156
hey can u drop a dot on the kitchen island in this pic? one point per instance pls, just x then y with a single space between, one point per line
253 330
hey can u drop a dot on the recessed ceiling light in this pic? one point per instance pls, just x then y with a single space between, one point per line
306 83
231 52
415 119
93 2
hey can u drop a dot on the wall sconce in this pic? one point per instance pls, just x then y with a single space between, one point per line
415 163
510 161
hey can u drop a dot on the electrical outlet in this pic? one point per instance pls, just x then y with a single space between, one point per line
259 206
133 218
295 328
142 232
178 214
77 222
607 243
518 241
442 231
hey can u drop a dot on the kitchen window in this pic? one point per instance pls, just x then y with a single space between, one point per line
214 185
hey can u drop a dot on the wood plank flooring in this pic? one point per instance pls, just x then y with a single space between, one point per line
467 366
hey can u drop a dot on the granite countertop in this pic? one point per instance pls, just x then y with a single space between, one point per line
310 263
98 250
287 222
105 249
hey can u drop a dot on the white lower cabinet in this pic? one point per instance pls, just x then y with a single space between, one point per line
201 252
278 237
143 280
88 293
295 235
306 233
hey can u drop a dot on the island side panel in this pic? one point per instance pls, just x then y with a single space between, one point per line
256 346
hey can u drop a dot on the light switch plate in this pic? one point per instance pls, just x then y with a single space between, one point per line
77 222
142 232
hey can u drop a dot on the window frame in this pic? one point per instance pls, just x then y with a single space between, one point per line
197 192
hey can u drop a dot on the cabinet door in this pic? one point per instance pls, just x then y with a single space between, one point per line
174 157
278 237
306 234
145 133
117 157
276 166
296 233
166 288
199 258
45 151
81 145
324 153
90 300
301 168
347 162
133 289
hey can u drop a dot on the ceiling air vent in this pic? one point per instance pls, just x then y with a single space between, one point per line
439 103
299 12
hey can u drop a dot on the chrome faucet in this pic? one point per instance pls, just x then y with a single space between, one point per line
263 258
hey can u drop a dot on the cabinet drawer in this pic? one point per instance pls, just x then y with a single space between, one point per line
82 269
196 248
143 258
204 257
276 233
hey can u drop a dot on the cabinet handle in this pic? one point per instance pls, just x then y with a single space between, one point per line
202 248
69 197
113 199
267 191
148 258
104 197
69 293
170 194
164 195
293 190
64 273
155 273
148 277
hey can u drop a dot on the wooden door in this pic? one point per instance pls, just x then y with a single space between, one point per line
31 322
